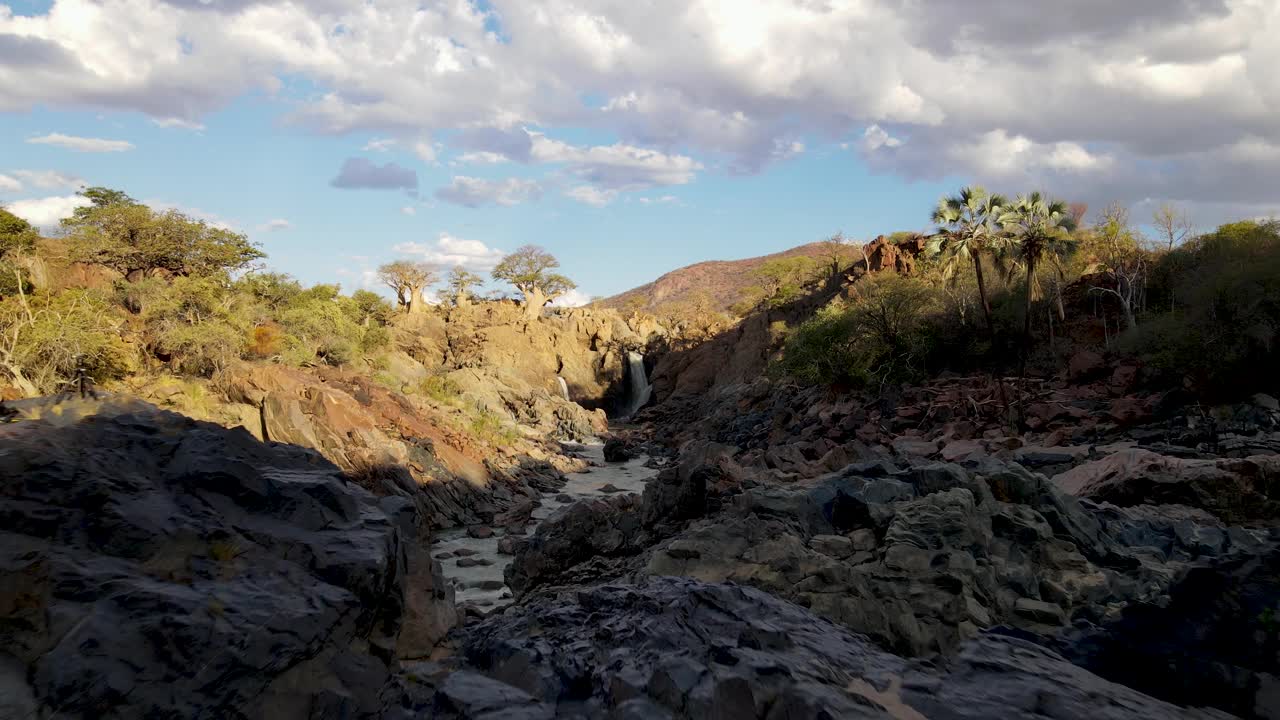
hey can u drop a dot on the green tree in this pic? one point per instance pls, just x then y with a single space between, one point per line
834 252
460 283
782 279
969 233
1040 230
408 279
138 242
45 339
529 270
16 235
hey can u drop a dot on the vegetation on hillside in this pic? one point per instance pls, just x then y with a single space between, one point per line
1202 312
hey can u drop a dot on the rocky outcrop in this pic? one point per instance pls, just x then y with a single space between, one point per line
1236 490
922 557
678 648
156 566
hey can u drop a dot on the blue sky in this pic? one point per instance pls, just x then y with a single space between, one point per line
246 168
627 139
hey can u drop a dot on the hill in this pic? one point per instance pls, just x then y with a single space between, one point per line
726 282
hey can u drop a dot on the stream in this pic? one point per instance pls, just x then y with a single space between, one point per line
473 565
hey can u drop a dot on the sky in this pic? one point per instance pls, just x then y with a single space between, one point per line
628 137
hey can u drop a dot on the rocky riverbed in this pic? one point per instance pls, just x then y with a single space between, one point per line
474 559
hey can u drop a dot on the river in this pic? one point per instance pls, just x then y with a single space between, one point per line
478 579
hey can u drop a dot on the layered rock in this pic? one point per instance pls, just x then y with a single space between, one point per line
678 648
156 566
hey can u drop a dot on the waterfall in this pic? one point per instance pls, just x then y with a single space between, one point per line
639 389
564 387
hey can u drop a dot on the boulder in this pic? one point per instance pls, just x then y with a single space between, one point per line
1235 490
618 450
752 656
155 566
1085 365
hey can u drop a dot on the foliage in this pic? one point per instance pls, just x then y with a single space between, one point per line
137 241
194 324
1218 324
970 236
461 281
880 336
408 279
16 235
440 388
529 270
45 338
1040 230
784 279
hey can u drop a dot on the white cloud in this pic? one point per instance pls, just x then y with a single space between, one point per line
49 179
480 157
573 298
275 225
448 251
589 195
475 192
1149 90
875 137
177 122
408 210
10 184
425 151
45 212
81 144
379 145
615 167
660 200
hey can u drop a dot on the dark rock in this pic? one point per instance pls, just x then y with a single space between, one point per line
155 566
609 488
480 532
618 450
473 562
754 656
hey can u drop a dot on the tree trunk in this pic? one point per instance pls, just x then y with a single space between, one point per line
534 300
24 385
982 295
1026 319
415 301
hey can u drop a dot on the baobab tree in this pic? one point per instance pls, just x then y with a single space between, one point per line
529 270
408 279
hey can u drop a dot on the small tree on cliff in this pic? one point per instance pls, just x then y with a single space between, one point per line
528 270
460 283
408 279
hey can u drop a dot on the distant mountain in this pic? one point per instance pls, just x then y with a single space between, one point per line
724 281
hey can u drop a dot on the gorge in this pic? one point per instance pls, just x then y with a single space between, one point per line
503 516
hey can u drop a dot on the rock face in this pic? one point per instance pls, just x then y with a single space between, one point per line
678 648
1235 490
155 566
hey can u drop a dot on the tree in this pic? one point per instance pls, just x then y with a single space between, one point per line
1041 231
16 235
782 279
969 232
834 251
1172 223
408 279
138 242
460 283
46 339
1121 254
528 269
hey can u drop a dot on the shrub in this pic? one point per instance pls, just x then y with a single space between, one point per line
48 337
881 335
1218 298
440 388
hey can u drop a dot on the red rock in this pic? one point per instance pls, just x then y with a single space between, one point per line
1085 364
1127 410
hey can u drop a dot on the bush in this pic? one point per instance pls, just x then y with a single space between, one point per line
1218 298
882 335
48 337
440 388
195 324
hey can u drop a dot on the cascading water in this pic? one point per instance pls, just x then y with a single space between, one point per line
639 389
564 387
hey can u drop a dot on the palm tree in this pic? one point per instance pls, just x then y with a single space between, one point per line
969 231
1040 230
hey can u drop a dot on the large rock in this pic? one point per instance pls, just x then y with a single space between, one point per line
678 648
155 566
1235 490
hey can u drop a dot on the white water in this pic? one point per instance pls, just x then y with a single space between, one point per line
483 585
639 389
564 387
